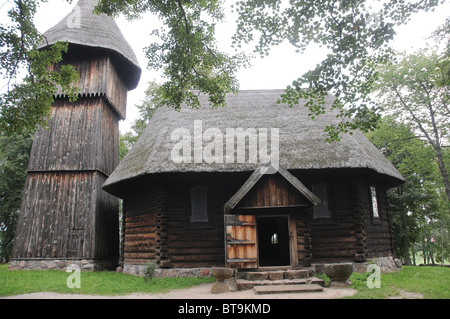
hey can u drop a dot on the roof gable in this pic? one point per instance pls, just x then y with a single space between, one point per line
257 175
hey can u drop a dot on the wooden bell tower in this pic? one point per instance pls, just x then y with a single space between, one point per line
65 216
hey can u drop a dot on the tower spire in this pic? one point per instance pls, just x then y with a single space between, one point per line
82 27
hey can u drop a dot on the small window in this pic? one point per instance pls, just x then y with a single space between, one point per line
321 210
199 204
374 200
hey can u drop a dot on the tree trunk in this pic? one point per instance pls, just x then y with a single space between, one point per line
405 235
438 149
424 250
444 174
406 251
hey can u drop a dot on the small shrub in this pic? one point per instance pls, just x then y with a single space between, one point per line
149 270
325 279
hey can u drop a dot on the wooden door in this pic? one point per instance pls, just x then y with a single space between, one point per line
75 239
240 241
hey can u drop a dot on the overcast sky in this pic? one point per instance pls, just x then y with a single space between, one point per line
273 72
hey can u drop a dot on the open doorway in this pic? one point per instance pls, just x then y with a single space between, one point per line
273 241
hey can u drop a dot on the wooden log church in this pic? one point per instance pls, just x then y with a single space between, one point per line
191 201
197 189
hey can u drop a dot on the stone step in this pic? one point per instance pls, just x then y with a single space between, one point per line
279 289
243 284
278 274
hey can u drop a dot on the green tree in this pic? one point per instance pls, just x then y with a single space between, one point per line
151 102
411 90
355 35
30 80
14 155
186 49
418 201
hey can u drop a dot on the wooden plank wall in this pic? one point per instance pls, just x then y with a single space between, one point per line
106 222
65 213
80 136
63 199
272 190
56 213
98 77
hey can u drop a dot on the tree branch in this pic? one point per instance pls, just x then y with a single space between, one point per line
405 105
186 23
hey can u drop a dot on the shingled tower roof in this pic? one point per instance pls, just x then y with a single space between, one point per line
82 27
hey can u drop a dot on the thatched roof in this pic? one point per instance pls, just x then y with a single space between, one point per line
302 144
83 27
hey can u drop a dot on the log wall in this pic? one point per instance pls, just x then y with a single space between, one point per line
304 249
140 226
158 227
157 223
351 234
334 239
378 235
197 244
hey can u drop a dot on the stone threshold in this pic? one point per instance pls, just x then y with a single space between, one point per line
279 289
276 274
243 284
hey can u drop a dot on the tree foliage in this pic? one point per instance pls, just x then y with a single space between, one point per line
14 155
412 90
355 35
151 102
30 83
186 48
417 208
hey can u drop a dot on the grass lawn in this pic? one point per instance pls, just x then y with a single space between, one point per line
431 282
16 282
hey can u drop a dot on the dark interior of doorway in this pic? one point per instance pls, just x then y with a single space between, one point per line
273 241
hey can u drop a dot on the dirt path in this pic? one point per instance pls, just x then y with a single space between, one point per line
198 292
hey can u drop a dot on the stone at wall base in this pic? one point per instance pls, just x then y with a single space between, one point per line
61 264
